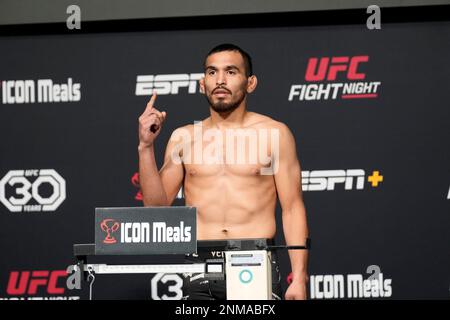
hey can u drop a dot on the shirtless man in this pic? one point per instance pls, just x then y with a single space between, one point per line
234 200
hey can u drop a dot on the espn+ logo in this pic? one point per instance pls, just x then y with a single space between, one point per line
329 180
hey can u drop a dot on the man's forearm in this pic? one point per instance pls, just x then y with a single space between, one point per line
153 193
296 232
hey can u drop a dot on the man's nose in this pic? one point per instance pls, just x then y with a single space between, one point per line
221 80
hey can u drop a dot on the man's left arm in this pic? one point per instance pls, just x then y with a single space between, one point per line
288 184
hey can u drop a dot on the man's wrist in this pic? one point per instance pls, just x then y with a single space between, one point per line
145 147
301 277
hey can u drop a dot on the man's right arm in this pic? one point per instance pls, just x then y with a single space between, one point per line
153 193
158 188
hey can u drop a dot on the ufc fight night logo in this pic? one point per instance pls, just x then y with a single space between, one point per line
37 285
32 190
335 78
167 83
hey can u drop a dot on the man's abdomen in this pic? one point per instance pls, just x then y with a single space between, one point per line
230 206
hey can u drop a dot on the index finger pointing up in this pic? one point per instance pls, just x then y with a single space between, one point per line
152 101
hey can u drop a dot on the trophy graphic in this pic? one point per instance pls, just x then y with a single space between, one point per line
109 226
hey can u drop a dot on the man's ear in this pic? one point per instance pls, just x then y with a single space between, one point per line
201 83
252 83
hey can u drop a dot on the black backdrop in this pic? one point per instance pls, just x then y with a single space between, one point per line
401 225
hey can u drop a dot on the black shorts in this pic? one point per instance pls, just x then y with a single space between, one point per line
197 287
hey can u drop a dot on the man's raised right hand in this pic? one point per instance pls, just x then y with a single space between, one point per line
150 123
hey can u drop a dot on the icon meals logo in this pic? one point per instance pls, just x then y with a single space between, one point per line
41 91
322 84
349 286
144 232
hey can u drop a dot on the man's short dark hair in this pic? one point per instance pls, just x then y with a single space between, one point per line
232 47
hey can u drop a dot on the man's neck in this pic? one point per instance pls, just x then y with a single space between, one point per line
233 119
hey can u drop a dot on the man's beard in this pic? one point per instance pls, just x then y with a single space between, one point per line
225 107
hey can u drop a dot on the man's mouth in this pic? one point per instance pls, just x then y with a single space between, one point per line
220 92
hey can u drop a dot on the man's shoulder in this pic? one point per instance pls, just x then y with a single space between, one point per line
265 121
185 131
188 128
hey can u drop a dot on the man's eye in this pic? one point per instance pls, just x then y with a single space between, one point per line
231 72
211 72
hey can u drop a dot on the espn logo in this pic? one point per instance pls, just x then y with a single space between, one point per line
167 83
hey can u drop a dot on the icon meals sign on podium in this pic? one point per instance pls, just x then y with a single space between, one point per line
145 230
